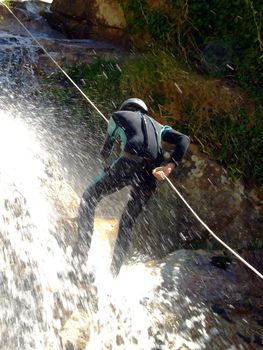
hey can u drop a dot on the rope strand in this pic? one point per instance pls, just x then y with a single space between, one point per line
210 231
166 178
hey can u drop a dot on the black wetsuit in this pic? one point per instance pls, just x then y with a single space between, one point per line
140 138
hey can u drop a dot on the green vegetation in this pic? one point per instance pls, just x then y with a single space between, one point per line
257 244
199 66
7 3
237 144
216 116
222 38
101 81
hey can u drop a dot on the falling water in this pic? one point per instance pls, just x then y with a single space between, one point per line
36 292
46 160
40 285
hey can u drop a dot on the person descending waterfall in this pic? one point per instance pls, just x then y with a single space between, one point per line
144 144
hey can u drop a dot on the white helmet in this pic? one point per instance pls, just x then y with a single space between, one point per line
135 103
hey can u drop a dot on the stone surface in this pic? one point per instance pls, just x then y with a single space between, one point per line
222 203
75 332
102 12
65 7
107 13
65 51
29 14
226 206
98 19
204 299
180 302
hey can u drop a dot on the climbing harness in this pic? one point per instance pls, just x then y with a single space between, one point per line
165 177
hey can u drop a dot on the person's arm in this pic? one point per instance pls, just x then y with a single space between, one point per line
107 147
109 139
181 143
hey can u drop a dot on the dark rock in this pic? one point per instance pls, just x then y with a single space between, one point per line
220 261
119 340
222 203
78 10
258 339
221 311
245 338
97 19
218 57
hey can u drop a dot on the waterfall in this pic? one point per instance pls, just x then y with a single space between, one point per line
51 301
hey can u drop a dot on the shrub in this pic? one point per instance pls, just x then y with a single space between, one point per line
220 118
219 37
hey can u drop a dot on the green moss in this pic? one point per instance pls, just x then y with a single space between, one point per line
7 3
234 140
236 144
212 36
257 244
100 81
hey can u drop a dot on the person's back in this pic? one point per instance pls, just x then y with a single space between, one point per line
137 133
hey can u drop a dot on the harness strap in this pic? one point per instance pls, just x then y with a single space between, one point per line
156 135
131 156
144 131
141 160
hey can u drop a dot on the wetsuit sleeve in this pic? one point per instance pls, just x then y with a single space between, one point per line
109 139
180 141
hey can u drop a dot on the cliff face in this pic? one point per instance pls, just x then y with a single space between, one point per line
226 206
232 211
100 19
78 10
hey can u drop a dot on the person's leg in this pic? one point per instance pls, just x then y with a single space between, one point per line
139 196
101 186
113 178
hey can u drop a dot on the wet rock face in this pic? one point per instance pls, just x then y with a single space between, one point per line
28 13
65 7
189 303
95 19
231 314
224 204
21 55
95 12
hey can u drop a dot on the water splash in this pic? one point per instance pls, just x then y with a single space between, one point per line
41 287
17 57
36 291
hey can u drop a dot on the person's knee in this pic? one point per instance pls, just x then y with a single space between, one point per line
89 194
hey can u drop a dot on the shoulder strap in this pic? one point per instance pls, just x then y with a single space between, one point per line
144 130
156 134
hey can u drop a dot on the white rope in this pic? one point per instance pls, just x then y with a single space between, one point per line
55 62
170 183
211 232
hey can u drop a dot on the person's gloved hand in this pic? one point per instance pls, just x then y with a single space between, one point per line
163 170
